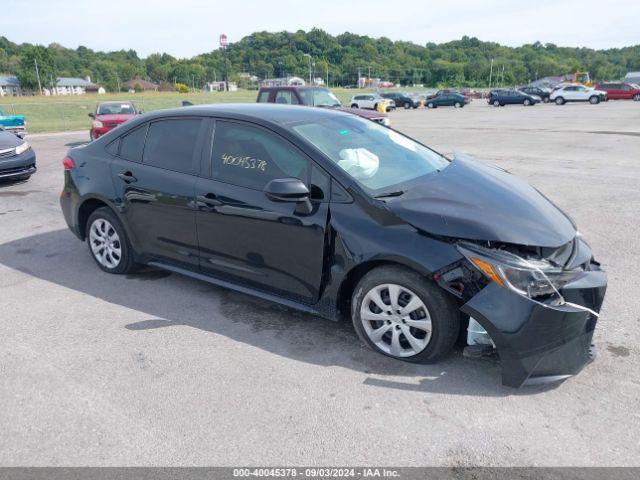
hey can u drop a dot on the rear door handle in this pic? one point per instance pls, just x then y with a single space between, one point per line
127 177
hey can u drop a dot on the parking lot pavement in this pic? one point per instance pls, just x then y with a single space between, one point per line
158 369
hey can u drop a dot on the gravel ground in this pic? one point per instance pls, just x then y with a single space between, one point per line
158 369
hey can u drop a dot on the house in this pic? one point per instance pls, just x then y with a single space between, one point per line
145 85
632 77
74 86
9 86
219 87
282 82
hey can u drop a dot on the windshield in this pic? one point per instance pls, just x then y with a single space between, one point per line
319 97
378 158
116 109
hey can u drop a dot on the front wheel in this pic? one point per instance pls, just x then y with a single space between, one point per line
526 102
457 105
545 99
354 105
594 100
559 101
407 105
401 314
431 105
636 97
496 103
108 242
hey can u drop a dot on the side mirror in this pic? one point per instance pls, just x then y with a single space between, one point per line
92 115
140 112
287 190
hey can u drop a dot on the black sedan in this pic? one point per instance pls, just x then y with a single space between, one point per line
502 97
543 93
401 99
340 217
17 158
446 99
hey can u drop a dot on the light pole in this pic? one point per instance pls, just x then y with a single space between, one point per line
309 57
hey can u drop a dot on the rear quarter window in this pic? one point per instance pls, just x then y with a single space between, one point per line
132 144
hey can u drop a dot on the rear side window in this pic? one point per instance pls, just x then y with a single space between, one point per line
263 97
251 157
170 144
286 96
132 144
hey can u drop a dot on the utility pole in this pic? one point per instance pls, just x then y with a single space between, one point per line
223 46
327 64
502 81
309 57
38 75
490 74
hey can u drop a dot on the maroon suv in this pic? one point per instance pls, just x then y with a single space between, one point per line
315 97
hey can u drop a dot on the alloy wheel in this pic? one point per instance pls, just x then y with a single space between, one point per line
105 243
396 320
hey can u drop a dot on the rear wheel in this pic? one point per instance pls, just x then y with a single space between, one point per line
401 314
559 101
545 99
108 242
92 135
431 105
593 100
457 105
407 105
636 97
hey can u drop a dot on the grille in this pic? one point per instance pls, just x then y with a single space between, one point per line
7 153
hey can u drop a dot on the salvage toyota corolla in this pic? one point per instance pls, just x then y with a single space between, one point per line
341 217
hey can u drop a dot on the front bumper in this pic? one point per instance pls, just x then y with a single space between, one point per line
18 165
538 343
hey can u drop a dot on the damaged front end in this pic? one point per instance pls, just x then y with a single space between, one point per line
538 306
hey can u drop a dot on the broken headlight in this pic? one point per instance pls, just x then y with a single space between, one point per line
537 279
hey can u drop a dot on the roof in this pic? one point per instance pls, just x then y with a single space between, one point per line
145 84
11 80
632 75
260 112
73 82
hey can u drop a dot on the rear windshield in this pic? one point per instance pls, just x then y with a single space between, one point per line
319 97
380 159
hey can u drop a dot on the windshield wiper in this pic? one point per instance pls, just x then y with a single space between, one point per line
390 194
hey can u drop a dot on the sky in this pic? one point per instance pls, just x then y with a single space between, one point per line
184 28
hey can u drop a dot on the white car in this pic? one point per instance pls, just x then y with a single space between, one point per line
577 93
371 101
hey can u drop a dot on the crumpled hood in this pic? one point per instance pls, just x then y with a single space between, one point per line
115 117
472 200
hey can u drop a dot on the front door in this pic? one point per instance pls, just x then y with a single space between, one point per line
244 236
154 176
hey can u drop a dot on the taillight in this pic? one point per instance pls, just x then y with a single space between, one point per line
68 163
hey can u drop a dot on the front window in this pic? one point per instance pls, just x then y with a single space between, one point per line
319 97
116 108
378 158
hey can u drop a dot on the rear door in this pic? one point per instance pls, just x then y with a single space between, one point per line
244 236
154 175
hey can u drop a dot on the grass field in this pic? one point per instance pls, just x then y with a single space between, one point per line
60 113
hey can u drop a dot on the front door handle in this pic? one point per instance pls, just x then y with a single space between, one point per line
209 199
127 177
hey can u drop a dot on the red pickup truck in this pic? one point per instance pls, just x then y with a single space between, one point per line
315 97
620 90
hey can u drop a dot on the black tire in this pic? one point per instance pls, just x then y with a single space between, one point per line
559 101
526 102
431 105
407 105
636 97
496 103
458 105
594 100
546 100
126 263
354 105
445 319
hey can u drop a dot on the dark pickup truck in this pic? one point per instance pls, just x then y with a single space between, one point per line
315 97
